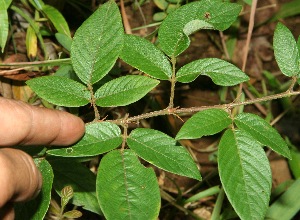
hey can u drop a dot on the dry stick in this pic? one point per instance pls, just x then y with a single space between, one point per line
224 45
246 50
260 9
250 29
13 71
127 26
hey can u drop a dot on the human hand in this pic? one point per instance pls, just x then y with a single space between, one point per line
22 124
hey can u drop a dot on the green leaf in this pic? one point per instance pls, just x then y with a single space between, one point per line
38 4
57 19
98 43
287 205
81 179
72 214
294 163
287 9
4 4
245 174
99 138
37 208
64 40
263 132
286 51
34 25
143 55
159 149
66 194
162 4
298 44
60 90
207 122
220 71
126 189
124 90
219 15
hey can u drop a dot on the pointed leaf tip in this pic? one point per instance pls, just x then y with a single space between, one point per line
207 122
97 43
124 90
286 51
60 90
143 55
160 150
263 132
220 71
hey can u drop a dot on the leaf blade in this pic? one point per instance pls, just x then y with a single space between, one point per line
124 90
97 43
57 19
60 90
81 179
99 138
207 122
37 208
174 41
143 55
263 132
245 174
286 51
118 172
159 149
4 4
220 71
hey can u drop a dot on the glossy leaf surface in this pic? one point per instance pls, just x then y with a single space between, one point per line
99 138
4 4
57 19
245 174
60 90
82 180
263 132
37 208
219 15
124 90
143 55
286 51
126 189
221 72
160 150
207 122
97 43
64 40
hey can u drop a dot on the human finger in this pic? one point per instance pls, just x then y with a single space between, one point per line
25 124
20 178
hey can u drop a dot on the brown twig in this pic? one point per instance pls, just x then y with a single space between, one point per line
201 108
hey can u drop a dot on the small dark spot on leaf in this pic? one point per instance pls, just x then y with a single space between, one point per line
69 150
207 15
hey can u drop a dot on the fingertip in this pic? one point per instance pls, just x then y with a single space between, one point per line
72 129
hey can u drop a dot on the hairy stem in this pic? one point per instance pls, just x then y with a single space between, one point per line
173 82
93 102
125 131
175 111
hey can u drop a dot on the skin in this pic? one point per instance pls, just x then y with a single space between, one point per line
22 124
